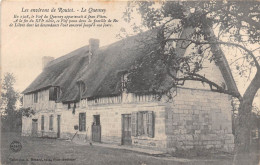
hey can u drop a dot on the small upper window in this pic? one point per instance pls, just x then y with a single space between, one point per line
96 120
54 93
35 97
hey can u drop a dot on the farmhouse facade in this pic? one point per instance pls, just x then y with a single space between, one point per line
81 95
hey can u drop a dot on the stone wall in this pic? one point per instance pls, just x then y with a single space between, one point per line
195 118
199 118
26 126
111 124
110 120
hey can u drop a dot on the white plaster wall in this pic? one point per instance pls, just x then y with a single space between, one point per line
43 97
210 70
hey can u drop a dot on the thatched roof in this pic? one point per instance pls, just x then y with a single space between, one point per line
101 75
62 72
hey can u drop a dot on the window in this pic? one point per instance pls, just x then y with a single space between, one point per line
82 121
35 97
51 123
42 123
124 81
81 86
143 123
96 120
54 93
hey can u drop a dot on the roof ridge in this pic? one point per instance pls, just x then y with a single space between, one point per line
67 56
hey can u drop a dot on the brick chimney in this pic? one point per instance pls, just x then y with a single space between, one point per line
93 45
46 60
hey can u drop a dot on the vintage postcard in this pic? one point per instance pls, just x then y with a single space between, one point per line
130 82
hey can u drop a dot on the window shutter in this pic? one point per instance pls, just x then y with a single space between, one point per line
80 126
55 92
134 123
140 129
51 123
83 121
74 109
42 124
51 92
150 124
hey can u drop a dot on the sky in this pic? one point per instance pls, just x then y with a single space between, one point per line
22 49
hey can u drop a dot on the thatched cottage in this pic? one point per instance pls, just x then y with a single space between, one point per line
81 95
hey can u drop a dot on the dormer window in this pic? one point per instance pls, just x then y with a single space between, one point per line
54 93
124 81
81 86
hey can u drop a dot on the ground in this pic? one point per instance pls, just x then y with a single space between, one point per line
54 151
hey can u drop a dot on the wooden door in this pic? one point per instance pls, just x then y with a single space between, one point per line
126 129
58 126
96 129
34 127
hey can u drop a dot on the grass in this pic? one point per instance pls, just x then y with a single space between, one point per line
53 151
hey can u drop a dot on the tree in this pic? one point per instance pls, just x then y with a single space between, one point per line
211 27
9 98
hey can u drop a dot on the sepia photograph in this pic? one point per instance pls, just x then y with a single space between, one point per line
130 82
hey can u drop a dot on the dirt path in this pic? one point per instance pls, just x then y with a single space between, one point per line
52 151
